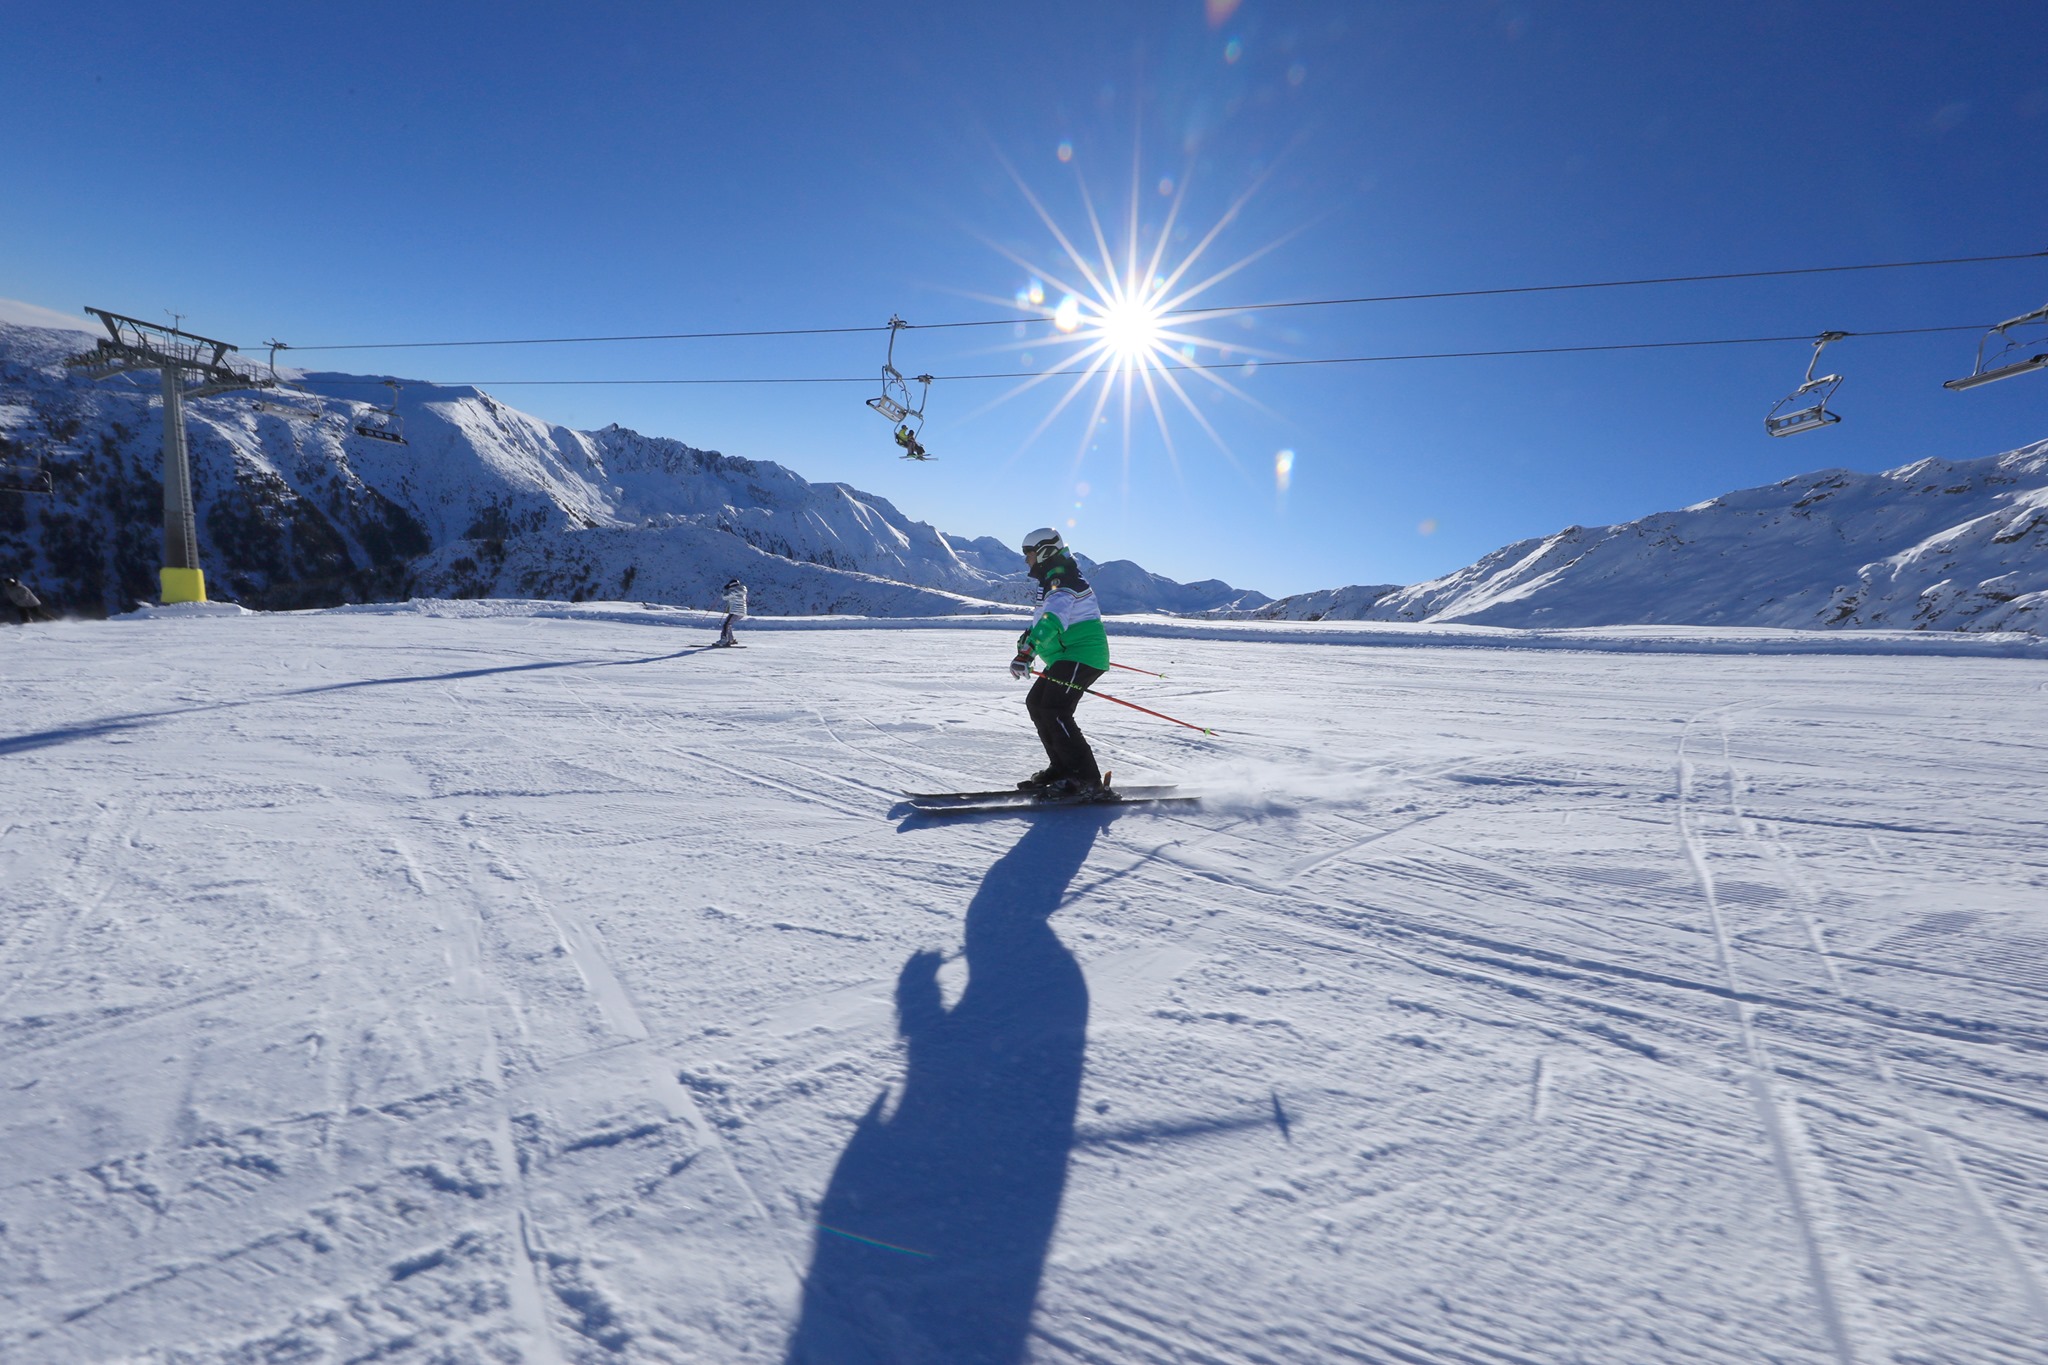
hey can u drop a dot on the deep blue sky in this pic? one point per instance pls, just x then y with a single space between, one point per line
379 172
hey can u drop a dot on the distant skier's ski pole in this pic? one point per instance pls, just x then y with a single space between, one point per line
1128 669
1040 673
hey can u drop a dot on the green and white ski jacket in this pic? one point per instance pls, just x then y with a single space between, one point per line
1069 622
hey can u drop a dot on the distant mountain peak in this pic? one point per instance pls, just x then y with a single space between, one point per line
1932 545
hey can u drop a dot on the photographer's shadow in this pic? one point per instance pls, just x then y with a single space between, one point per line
933 1233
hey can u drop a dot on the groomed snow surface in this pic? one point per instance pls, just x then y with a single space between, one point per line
486 982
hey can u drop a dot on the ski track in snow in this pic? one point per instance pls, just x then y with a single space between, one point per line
420 988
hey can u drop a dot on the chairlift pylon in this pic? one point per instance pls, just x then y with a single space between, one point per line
893 402
2028 355
384 424
1808 402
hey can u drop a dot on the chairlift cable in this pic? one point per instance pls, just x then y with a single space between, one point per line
1612 284
1213 365
1198 312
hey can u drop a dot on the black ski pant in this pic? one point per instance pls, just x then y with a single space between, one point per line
725 631
1051 701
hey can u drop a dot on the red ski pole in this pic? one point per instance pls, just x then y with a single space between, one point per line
1040 673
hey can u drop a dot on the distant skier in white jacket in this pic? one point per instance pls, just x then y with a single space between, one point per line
26 603
735 609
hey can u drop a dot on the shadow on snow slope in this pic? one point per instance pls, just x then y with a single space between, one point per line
93 729
933 1232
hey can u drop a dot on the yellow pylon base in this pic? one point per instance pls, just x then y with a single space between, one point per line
183 585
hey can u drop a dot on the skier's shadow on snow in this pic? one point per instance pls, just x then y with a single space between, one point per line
932 1235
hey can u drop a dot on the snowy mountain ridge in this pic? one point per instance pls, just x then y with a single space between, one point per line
1933 545
298 509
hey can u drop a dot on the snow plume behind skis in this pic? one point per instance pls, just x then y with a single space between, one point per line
526 981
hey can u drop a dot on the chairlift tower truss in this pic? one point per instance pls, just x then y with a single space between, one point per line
192 366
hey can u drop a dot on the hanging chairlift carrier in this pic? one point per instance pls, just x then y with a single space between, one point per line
26 478
384 424
277 408
893 402
2001 367
1808 402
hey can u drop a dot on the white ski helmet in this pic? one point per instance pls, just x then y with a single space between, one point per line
1041 545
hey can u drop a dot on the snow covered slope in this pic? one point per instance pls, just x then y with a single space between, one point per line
499 982
1934 545
296 508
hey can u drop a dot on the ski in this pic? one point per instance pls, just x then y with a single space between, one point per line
950 803
1014 795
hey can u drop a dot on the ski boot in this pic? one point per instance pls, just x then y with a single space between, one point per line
1041 781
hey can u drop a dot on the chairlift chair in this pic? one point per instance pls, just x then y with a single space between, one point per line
2026 355
271 405
893 402
1808 403
289 410
26 478
384 424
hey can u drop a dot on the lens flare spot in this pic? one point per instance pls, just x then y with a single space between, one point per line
1296 74
1283 470
1165 184
1067 317
1081 490
1426 527
1232 50
1066 151
1220 11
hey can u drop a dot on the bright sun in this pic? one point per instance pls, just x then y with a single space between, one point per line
1131 326
1124 314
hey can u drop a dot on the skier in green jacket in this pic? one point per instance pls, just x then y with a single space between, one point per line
1067 634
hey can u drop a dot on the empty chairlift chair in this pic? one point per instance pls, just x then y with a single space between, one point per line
1806 407
383 424
277 390
2015 356
20 477
280 400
